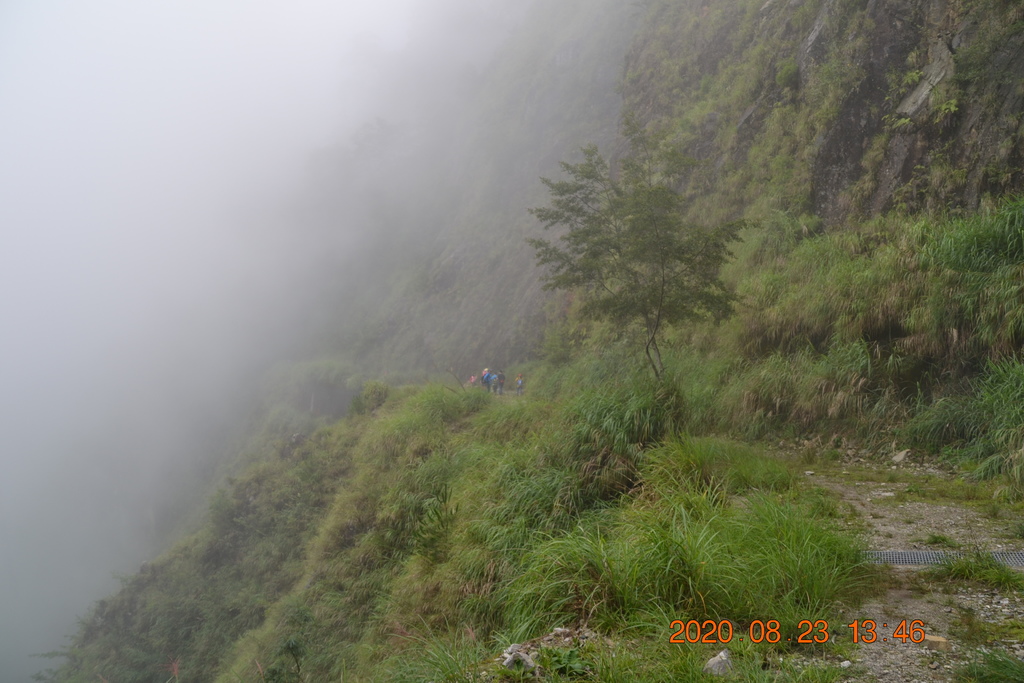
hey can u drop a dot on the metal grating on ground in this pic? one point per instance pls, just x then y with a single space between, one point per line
917 557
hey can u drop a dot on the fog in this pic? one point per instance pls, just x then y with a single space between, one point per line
163 230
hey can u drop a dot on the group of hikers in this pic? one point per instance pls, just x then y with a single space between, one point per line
495 381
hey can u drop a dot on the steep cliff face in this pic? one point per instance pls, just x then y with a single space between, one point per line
841 108
955 134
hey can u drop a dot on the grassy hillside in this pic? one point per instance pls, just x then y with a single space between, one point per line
399 545
433 526
413 539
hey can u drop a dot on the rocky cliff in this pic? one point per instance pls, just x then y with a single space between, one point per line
841 108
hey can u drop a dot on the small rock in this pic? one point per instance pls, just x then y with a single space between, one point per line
937 643
515 657
719 665
808 473
933 665
846 664
901 456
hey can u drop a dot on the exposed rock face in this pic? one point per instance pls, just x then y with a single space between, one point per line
955 125
838 162
911 104
954 136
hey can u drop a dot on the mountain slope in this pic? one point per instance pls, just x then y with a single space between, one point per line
401 541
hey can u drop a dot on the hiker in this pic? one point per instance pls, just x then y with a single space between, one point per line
485 379
519 384
501 382
472 380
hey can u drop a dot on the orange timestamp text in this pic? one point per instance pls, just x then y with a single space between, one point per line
807 631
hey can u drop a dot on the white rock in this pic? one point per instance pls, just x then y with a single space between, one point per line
510 661
719 665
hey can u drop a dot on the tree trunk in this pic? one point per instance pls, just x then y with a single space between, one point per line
654 356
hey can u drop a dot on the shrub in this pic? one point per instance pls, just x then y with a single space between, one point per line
788 75
374 394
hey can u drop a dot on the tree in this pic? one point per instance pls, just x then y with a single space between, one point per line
627 244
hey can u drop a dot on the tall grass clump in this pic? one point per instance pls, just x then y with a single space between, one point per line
980 567
714 559
512 421
982 259
699 379
533 499
565 580
1000 400
441 658
701 465
953 419
982 243
796 566
991 667
609 363
439 403
986 422
420 424
800 391
608 431
770 559
374 394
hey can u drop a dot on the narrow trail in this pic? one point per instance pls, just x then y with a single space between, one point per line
922 510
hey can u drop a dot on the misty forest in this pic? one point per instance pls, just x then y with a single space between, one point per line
469 340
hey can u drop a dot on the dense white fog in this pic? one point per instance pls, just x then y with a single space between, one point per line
148 265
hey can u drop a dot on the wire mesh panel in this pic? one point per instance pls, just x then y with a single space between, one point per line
907 557
917 557
1013 558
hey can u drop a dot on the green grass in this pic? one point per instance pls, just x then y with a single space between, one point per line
690 551
941 540
991 667
979 567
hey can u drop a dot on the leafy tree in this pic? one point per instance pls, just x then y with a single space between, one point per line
627 243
